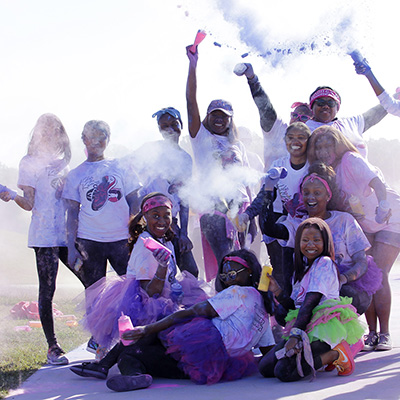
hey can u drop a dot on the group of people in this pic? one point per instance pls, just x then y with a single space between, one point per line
330 223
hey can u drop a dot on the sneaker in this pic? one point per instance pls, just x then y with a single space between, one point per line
125 383
90 370
384 343
55 356
92 346
345 363
370 341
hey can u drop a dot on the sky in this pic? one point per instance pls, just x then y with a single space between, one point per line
122 60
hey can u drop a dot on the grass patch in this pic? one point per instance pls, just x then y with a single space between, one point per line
22 353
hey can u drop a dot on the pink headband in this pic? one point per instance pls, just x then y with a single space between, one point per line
314 176
156 201
325 93
237 260
298 104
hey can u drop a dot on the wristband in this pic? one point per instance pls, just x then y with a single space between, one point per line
296 332
160 279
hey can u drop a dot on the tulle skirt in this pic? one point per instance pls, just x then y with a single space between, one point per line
331 322
370 282
198 347
112 295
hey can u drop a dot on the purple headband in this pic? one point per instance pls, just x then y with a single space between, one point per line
237 260
314 176
156 201
325 93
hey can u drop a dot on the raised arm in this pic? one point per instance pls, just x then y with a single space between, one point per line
265 108
377 113
194 120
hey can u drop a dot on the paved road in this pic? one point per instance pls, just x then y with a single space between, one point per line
377 376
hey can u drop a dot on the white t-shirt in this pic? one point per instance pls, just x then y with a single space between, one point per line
217 162
47 228
274 143
352 128
348 237
322 278
353 175
242 322
101 188
163 167
142 265
391 105
288 192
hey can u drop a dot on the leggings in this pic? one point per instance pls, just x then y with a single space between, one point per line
285 369
47 268
146 356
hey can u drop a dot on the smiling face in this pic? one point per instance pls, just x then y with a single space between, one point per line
218 122
158 219
241 278
315 198
170 127
325 150
324 109
296 144
311 244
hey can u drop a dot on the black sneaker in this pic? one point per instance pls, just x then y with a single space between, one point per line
90 370
125 383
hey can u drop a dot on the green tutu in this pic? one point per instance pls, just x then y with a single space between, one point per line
331 322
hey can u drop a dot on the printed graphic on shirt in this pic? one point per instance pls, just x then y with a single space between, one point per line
101 192
260 318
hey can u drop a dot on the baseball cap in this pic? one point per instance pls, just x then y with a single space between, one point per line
221 105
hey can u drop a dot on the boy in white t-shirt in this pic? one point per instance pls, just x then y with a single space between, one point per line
100 196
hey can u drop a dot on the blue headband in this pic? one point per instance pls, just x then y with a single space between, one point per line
169 110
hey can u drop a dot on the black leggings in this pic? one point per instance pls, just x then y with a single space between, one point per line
47 268
285 369
146 356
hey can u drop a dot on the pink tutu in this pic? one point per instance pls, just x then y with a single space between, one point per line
370 282
112 295
198 347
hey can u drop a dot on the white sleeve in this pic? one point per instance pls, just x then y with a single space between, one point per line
391 105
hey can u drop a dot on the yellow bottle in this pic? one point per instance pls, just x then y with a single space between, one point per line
264 280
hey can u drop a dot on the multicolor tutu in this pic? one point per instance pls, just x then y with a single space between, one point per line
331 322
370 282
198 347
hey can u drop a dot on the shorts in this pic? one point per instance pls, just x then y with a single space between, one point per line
385 237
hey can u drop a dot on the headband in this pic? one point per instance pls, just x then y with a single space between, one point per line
238 260
156 201
173 112
298 104
314 176
325 93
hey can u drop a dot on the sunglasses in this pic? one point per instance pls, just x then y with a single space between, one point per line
300 117
329 103
231 275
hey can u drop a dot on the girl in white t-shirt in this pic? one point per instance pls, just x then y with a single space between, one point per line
221 162
209 342
42 174
377 209
149 290
319 322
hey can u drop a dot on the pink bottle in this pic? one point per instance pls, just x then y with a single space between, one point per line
152 244
124 324
199 38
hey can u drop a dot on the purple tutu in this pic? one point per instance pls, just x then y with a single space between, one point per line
198 347
370 282
112 295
